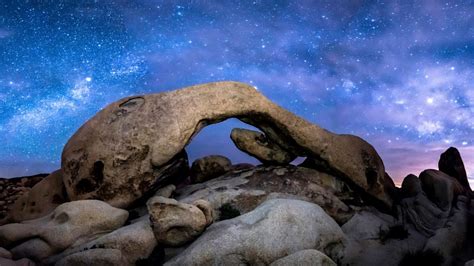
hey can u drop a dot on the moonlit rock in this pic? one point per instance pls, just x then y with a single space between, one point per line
133 145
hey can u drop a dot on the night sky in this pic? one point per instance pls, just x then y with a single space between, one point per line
398 74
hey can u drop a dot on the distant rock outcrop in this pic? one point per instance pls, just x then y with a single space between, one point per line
42 199
13 188
450 162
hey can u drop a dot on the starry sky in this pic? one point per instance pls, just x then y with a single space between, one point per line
397 73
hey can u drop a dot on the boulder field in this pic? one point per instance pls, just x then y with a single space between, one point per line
126 194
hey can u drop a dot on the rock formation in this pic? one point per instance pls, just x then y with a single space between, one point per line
257 145
273 230
13 188
134 143
450 163
45 236
43 198
125 194
175 223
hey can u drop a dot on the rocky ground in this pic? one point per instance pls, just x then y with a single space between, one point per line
126 194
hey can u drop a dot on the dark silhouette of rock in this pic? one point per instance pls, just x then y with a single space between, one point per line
124 150
450 162
411 186
257 145
209 167
440 188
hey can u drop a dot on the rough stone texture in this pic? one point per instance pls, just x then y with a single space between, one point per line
308 257
165 192
42 199
256 144
246 189
423 214
22 262
275 229
440 188
134 242
95 257
370 243
5 253
451 238
124 149
367 225
411 186
175 223
69 223
450 163
209 167
13 188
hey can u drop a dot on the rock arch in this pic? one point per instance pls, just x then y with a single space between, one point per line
140 141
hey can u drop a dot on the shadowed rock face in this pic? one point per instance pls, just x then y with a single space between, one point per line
123 150
450 162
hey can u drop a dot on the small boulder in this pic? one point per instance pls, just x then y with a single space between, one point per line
133 242
257 145
67 224
209 167
175 223
307 257
450 163
42 199
276 228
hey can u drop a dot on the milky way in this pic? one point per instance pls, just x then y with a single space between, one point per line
397 74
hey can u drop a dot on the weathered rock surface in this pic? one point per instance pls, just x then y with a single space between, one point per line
5 253
42 199
129 244
450 163
308 257
94 257
411 186
367 225
246 189
175 223
69 223
256 144
451 238
209 167
375 238
13 188
423 214
440 188
21 262
275 229
122 152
